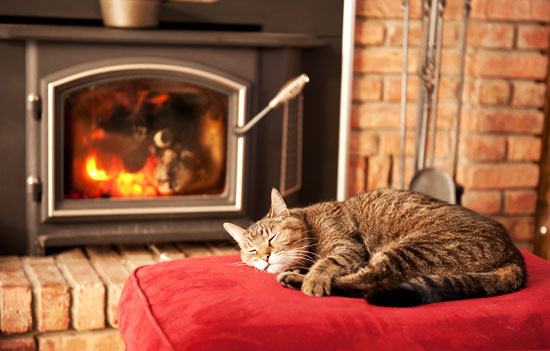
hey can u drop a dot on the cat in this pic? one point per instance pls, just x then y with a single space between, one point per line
392 247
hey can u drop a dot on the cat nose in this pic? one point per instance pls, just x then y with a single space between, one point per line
266 257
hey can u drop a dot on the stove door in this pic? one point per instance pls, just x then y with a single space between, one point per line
134 137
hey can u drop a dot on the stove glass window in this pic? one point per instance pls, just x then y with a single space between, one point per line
144 138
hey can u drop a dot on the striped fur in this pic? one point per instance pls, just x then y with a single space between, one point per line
395 248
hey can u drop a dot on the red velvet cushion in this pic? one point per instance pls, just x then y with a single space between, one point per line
211 304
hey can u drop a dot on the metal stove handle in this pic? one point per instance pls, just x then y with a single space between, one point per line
290 90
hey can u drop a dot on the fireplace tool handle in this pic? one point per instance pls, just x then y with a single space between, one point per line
290 90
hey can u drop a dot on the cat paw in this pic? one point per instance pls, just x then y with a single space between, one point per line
316 285
291 280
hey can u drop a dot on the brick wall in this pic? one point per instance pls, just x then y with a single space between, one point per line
502 118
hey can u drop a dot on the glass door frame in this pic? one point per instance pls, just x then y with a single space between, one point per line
53 86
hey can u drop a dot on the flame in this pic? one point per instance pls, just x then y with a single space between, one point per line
117 182
93 172
141 183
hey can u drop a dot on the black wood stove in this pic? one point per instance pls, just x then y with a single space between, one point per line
127 136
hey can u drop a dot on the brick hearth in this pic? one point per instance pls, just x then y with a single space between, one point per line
68 301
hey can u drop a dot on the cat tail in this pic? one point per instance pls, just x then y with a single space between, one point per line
434 288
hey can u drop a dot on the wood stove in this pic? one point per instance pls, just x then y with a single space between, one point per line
128 134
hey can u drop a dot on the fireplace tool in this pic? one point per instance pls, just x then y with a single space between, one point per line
431 180
406 13
290 90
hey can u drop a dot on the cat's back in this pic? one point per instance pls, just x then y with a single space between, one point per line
399 211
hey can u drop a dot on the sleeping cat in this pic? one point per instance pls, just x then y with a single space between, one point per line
392 247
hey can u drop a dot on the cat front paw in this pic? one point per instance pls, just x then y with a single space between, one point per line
316 285
291 280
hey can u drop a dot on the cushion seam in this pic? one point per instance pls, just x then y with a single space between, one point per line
148 311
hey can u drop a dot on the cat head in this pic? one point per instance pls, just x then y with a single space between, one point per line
276 243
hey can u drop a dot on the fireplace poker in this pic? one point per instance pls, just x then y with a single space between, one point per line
406 12
290 90
431 180
435 93
467 8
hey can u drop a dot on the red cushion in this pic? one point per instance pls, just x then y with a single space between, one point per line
210 303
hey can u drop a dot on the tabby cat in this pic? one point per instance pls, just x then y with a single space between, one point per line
392 247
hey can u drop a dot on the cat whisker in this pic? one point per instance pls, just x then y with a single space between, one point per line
238 264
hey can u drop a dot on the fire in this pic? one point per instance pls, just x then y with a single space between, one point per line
117 182
110 147
93 172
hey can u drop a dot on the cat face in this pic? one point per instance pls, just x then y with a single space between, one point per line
275 243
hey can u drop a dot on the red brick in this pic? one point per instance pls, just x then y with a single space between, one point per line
446 115
483 148
100 340
50 342
108 339
51 293
533 37
498 176
15 297
390 144
392 89
376 116
506 65
195 249
108 265
485 202
382 60
442 144
166 252
487 92
25 343
76 341
520 228
445 164
388 116
520 201
363 143
220 249
490 35
134 256
386 9
512 10
367 89
454 9
450 62
524 148
502 120
378 172
369 33
357 175
529 94
87 290
395 34
396 174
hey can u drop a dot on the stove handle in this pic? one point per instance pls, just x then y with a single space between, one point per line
290 90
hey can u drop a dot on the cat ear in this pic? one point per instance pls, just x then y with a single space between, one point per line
235 231
278 205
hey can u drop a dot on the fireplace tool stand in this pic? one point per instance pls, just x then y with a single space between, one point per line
431 180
